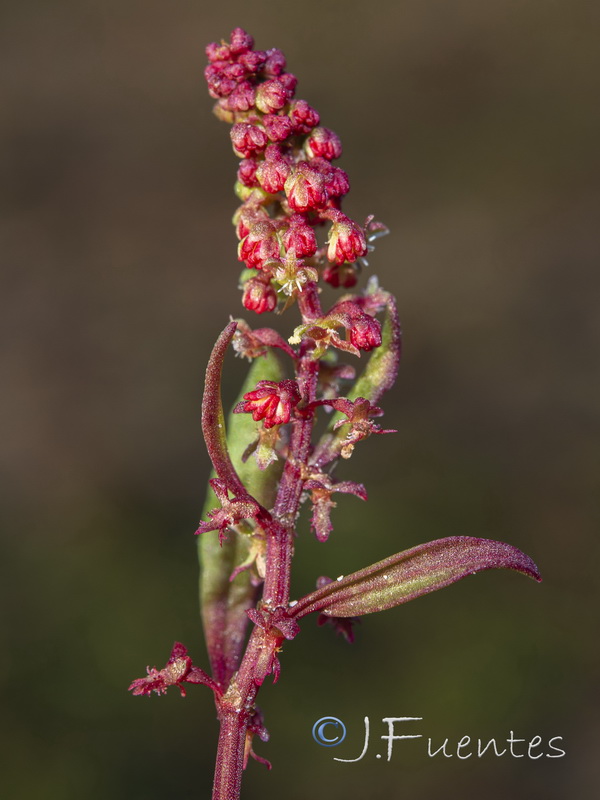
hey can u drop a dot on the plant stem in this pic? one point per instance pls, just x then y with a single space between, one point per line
236 707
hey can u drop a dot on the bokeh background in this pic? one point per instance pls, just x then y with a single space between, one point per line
472 129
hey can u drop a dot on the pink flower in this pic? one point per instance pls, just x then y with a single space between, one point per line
270 401
259 296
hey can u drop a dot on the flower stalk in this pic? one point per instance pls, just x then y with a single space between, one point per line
293 238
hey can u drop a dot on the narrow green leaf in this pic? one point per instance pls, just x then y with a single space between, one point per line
224 602
412 573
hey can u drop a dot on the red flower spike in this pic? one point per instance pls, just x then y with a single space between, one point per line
178 670
259 296
323 143
271 96
270 401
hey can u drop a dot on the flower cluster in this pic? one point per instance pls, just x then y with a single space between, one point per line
286 180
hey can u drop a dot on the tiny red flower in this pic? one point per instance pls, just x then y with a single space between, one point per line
324 143
304 117
247 172
259 245
273 172
178 670
259 296
271 96
275 63
247 139
305 188
346 240
300 237
270 401
277 126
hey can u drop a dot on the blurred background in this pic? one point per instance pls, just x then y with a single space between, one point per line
472 130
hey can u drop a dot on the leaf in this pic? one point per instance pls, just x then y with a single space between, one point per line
213 421
224 602
412 573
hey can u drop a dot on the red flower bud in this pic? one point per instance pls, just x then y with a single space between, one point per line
218 84
275 63
271 96
253 61
240 41
272 174
247 172
241 98
346 240
303 116
277 126
324 143
218 52
289 82
270 401
337 275
248 139
300 238
365 333
260 244
259 296
305 188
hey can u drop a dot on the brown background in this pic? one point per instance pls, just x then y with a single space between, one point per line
471 128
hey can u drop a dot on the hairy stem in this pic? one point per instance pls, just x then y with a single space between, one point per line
235 708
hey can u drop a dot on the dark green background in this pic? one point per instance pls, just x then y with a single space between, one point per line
472 129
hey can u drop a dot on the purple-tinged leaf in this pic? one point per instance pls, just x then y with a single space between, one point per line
412 573
226 591
213 420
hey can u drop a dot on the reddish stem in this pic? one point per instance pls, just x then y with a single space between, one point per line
235 708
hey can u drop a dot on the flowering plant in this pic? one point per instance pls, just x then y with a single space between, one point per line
293 237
